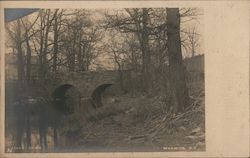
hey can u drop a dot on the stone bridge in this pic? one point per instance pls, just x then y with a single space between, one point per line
86 82
90 85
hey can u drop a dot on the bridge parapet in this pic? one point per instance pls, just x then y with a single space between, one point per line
86 82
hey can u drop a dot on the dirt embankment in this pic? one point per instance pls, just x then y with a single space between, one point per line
142 124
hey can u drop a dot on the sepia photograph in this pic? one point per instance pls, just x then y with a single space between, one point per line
124 79
127 79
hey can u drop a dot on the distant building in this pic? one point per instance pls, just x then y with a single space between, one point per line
195 63
11 66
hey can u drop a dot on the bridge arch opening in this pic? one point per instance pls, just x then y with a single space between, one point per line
97 94
66 98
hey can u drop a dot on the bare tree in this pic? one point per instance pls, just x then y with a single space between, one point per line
41 40
27 25
118 54
193 40
135 21
15 32
178 85
80 39
20 64
56 32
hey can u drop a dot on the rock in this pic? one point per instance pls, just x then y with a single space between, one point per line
202 136
192 137
200 145
195 131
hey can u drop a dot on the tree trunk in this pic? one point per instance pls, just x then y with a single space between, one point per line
54 67
144 42
72 53
178 85
41 46
79 58
80 54
72 57
45 51
20 65
28 61
119 71
193 48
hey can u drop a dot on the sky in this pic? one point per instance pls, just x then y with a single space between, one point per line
104 58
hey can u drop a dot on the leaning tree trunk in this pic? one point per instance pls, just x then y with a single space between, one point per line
177 80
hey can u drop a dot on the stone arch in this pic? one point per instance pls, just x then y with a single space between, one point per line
62 102
97 94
